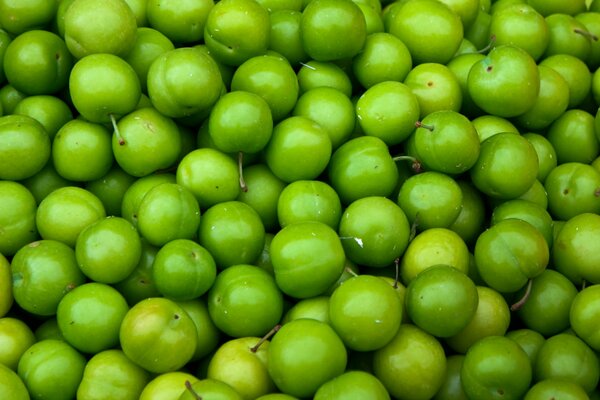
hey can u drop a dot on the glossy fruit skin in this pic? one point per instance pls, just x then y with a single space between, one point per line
384 57
430 200
375 231
362 167
492 318
309 200
572 189
211 175
284 35
147 142
42 273
496 367
231 127
180 22
232 232
168 212
388 110
435 87
583 310
241 366
25 147
432 247
299 149
471 219
437 44
245 301
352 385
86 31
412 365
324 41
103 85
551 103
575 72
37 62
17 217
365 312
303 355
51 368
527 211
111 373
237 30
546 154
158 335
272 77
511 245
168 384
550 291
574 137
11 385
16 337
183 270
566 356
441 300
82 151
330 108
307 258
451 147
89 317
496 86
556 388
210 388
314 74
507 166
108 250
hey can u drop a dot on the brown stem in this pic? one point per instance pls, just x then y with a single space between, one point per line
241 171
265 338
415 164
188 386
117 131
420 124
587 34
517 306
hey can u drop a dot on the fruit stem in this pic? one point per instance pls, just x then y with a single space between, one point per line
349 270
420 124
416 164
489 46
308 66
265 338
517 306
188 386
116 128
241 171
587 34
413 228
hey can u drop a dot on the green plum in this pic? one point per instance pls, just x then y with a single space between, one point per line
374 231
365 312
510 253
307 258
90 315
111 374
303 355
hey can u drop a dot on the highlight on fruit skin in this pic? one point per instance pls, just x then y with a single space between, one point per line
285 199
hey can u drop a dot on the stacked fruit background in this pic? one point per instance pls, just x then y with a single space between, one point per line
299 199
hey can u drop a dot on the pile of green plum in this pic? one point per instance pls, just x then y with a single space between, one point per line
299 199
